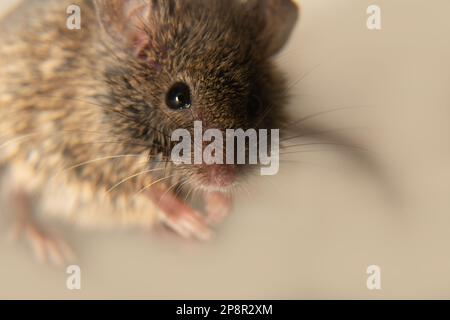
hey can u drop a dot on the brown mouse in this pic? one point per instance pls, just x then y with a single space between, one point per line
86 115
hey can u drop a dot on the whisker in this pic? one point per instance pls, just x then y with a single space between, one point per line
303 77
101 159
318 133
34 133
306 151
289 87
155 182
322 144
191 190
186 181
168 190
106 108
23 138
131 177
18 139
315 115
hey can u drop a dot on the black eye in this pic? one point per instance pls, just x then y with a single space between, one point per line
179 97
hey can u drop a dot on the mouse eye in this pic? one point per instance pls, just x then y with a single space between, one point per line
179 97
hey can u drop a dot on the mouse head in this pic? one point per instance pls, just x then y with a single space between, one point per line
177 62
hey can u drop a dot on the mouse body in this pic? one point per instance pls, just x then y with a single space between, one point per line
86 116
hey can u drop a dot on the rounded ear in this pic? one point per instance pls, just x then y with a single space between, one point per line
123 21
277 19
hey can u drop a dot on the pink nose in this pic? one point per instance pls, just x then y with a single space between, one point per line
220 175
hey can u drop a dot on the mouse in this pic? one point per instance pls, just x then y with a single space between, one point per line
86 115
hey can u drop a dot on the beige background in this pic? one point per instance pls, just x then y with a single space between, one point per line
311 231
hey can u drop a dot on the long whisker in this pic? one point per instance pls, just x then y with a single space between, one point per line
18 139
185 182
25 137
153 183
101 159
191 190
305 151
318 133
131 177
322 144
169 189
289 87
315 115
303 77
84 101
121 113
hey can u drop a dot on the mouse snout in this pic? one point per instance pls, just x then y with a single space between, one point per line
218 175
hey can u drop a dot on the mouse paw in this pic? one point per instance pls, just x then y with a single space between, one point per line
181 217
47 249
218 207
188 223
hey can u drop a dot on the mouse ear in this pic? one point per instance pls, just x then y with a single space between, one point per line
124 21
276 20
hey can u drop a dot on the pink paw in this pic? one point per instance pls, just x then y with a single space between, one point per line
218 207
180 217
46 248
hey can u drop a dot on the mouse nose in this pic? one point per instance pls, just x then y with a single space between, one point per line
219 175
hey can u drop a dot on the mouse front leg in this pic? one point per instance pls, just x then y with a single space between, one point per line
180 216
46 248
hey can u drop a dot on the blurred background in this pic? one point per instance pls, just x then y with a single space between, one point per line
312 230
